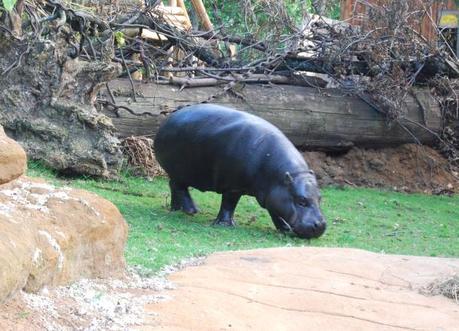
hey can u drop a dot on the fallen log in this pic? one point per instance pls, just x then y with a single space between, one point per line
324 119
311 81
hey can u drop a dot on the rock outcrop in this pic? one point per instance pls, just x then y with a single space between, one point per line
308 288
50 235
47 105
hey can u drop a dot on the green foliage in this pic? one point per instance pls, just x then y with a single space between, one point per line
120 40
370 219
335 10
252 16
9 4
271 21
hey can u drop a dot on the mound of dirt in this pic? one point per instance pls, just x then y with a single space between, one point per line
409 168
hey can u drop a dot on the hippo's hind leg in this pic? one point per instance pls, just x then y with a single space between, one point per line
181 199
225 215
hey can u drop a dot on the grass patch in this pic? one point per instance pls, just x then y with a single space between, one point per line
379 221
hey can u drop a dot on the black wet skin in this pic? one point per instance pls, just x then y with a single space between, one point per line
214 148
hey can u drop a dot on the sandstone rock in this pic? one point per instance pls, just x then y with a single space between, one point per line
12 159
308 289
52 236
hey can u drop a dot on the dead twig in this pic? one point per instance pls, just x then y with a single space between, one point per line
129 75
116 108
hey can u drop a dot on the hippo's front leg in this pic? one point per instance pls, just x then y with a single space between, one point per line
226 213
181 199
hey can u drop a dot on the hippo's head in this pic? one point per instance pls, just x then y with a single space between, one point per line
294 204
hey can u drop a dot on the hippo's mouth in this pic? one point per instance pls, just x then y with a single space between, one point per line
286 224
307 231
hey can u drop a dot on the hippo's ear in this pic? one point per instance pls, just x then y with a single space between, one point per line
288 180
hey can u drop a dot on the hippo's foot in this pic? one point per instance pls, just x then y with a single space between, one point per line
224 222
175 206
190 208
225 215
181 199
187 207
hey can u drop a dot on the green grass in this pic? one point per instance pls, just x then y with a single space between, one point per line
379 221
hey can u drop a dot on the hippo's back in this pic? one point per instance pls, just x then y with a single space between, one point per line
214 148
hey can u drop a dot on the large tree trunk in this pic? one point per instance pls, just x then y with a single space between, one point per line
312 118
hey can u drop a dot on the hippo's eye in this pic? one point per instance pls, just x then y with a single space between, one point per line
302 201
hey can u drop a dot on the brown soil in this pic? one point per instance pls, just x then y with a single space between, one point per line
409 168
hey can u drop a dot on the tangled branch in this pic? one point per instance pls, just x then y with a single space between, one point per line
380 61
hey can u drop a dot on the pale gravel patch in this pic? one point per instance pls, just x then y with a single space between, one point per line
19 196
22 196
105 307
6 209
30 185
189 262
104 304
41 303
48 310
61 195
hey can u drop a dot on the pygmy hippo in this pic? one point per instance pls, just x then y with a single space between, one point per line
215 148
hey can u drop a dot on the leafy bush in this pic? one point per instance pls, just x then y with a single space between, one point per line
262 17
9 4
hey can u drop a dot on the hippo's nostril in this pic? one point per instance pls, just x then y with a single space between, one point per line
318 223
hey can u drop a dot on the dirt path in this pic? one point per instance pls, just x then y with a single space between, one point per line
307 289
